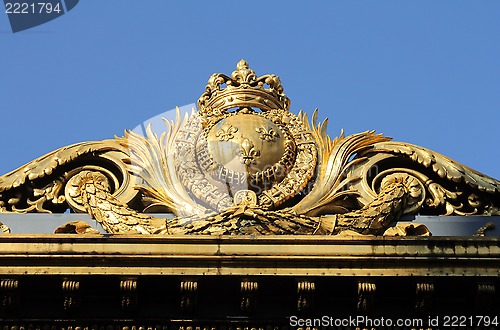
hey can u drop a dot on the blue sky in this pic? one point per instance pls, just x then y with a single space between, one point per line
424 72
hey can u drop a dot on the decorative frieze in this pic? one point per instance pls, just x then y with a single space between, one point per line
366 296
71 292
9 293
248 296
128 290
485 296
424 296
305 293
189 295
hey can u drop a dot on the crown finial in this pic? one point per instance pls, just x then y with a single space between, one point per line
242 64
243 74
243 89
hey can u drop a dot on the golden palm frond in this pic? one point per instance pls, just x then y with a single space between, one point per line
335 158
152 161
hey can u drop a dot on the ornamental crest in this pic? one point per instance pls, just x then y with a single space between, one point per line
244 164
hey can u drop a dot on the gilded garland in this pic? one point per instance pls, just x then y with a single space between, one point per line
245 164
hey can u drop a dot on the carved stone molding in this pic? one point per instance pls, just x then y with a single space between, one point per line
9 293
189 295
366 296
305 295
71 292
262 255
128 290
424 296
248 296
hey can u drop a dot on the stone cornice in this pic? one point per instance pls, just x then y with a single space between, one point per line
243 256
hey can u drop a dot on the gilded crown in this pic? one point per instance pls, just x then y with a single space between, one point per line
243 89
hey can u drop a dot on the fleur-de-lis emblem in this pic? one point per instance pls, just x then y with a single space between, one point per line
226 133
267 134
248 152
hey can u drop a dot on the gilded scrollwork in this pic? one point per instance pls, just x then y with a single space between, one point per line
41 186
451 188
244 164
